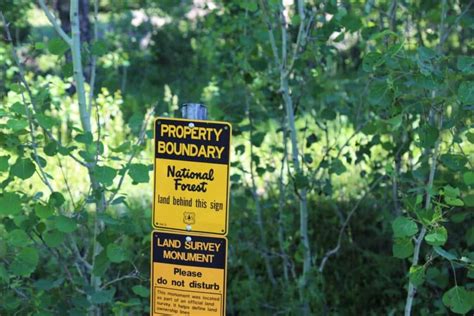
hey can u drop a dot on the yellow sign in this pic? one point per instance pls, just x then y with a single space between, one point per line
191 175
188 274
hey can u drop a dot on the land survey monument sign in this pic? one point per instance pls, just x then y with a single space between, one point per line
191 175
188 274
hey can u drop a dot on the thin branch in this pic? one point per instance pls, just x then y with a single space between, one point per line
132 275
330 148
281 204
68 188
418 241
52 19
139 142
271 35
94 58
284 41
333 251
445 35
59 258
303 33
80 258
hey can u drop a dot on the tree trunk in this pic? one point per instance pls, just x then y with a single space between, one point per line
63 8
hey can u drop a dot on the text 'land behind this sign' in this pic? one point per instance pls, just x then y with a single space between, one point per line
191 175
188 274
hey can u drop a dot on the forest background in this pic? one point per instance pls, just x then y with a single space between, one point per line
351 176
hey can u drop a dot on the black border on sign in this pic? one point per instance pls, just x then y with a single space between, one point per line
224 293
170 229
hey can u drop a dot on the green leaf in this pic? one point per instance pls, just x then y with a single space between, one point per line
458 300
51 149
379 94
451 191
459 217
466 64
3 248
453 162
4 163
43 211
451 196
41 161
470 273
425 53
115 253
56 199
470 236
105 175
402 248
257 139
141 291
235 178
25 262
99 48
10 204
443 253
404 227
437 237
18 108
18 238
466 92
66 150
139 173
84 138
103 297
67 70
468 178
125 147
57 46
47 122
371 61
395 121
17 124
469 200
470 137
337 167
428 136
102 263
328 114
53 238
417 275
453 202
65 224
249 5
351 22
40 45
383 34
23 168
310 140
48 284
3 274
301 181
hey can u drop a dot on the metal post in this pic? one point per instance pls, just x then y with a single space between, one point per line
194 111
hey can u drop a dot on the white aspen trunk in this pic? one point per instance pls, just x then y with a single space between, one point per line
77 66
302 194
